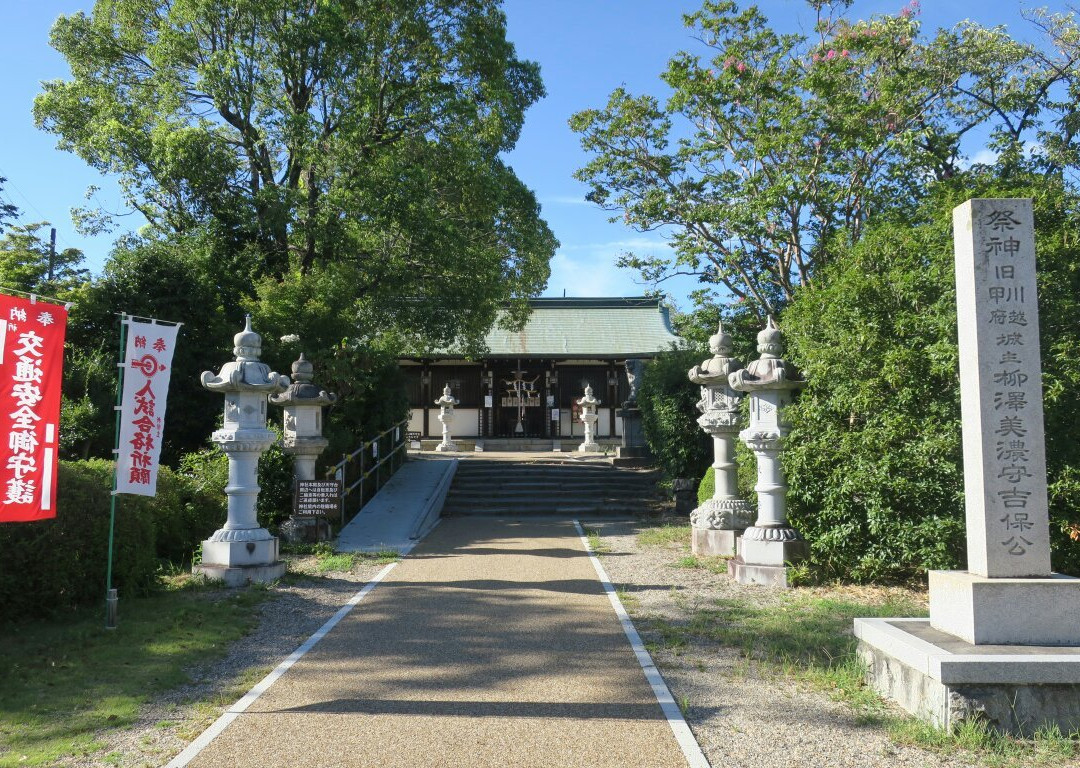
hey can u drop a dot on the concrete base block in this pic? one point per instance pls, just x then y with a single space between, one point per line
774 553
708 542
1006 611
946 681
231 554
241 576
752 573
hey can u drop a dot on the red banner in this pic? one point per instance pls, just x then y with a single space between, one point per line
31 369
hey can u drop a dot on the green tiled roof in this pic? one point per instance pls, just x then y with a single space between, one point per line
587 328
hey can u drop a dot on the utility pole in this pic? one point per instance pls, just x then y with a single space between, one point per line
52 251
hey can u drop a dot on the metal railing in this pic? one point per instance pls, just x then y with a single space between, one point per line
355 469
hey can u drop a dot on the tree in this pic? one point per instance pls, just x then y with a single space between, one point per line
7 210
776 150
302 135
27 262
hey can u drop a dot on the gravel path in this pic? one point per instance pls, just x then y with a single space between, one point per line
742 716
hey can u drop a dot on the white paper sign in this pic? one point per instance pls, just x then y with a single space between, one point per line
147 370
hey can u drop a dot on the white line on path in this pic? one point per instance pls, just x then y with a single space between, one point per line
237 709
695 758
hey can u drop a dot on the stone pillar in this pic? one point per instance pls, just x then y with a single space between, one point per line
446 405
719 521
765 547
303 404
1008 595
633 451
242 551
589 405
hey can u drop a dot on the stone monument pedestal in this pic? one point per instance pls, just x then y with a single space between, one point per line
944 680
1003 611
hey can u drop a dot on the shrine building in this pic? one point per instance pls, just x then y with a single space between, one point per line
527 383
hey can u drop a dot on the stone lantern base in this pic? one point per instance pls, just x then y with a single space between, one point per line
764 555
717 525
238 563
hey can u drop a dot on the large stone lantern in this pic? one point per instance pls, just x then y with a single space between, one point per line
771 381
242 551
589 405
446 405
303 404
719 521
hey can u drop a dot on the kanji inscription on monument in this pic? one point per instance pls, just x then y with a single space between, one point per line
1008 530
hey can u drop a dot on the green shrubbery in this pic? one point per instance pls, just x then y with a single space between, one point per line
61 563
669 414
874 460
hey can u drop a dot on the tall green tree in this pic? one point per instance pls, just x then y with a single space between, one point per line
304 135
773 150
28 262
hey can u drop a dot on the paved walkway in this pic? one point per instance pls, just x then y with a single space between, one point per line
492 644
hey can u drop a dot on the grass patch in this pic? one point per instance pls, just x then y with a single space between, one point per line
64 680
327 562
808 638
665 536
713 563
596 543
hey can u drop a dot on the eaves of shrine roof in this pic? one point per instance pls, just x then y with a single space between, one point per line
595 328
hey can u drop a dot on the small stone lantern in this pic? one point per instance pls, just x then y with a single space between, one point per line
303 404
771 381
242 551
588 417
446 405
719 521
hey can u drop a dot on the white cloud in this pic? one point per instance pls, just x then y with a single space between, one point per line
565 200
588 269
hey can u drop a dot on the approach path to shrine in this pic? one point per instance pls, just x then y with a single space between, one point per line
492 644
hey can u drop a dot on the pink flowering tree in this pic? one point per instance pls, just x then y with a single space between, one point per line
774 148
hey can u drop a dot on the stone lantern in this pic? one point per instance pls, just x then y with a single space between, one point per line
719 521
446 405
771 381
588 417
303 404
242 551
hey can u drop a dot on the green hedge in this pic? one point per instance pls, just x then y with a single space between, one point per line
669 414
60 563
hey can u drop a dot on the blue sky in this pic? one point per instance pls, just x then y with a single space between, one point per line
585 49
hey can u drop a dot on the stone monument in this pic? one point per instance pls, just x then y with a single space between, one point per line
303 404
446 405
992 647
589 404
633 451
770 543
719 521
242 551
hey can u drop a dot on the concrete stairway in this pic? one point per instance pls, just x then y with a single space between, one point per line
549 486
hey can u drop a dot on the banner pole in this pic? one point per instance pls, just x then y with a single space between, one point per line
111 598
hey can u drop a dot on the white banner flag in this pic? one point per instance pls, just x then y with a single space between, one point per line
147 370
